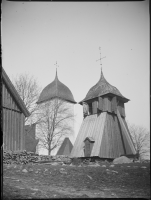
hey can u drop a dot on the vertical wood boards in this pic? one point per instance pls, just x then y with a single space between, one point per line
18 130
106 104
100 103
13 122
22 133
6 129
118 133
109 136
114 104
104 146
98 133
87 152
85 109
121 108
128 132
95 106
128 142
112 145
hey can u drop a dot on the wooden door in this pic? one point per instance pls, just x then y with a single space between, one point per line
87 149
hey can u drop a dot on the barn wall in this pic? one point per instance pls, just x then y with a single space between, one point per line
13 122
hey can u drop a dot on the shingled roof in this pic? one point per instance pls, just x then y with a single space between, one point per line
101 88
56 89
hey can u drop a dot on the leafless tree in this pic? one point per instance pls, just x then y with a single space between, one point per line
141 139
28 89
55 118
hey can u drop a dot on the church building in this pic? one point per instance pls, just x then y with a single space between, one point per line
57 90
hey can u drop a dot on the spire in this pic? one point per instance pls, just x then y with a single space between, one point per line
56 70
102 79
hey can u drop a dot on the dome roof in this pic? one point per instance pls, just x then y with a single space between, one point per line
56 89
101 88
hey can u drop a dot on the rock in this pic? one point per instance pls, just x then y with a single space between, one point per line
103 165
112 165
24 170
62 172
30 170
62 169
89 177
58 159
114 171
122 159
143 167
94 165
54 163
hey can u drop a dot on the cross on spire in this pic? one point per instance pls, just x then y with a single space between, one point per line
100 58
56 65
56 68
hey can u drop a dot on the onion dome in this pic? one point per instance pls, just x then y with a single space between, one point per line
102 88
56 89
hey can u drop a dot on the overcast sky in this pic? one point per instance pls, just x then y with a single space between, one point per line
36 35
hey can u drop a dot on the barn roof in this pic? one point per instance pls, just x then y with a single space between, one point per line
56 89
65 148
14 93
101 88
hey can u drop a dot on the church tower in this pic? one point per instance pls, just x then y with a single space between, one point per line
104 132
56 90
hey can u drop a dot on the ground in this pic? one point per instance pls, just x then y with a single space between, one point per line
63 181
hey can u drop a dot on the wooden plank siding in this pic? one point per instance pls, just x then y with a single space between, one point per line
92 126
95 106
13 122
121 109
109 133
114 104
100 103
130 149
106 104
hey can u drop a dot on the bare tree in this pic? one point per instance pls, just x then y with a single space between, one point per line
55 118
29 91
141 139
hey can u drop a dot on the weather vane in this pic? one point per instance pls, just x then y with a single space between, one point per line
56 65
100 58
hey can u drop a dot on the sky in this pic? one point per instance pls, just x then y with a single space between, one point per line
37 34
